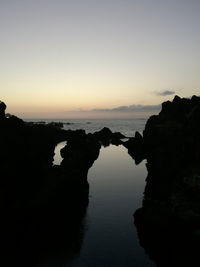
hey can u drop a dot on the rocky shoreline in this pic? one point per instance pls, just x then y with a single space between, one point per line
43 205
26 158
37 193
169 221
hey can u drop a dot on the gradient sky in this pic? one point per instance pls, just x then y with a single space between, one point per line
60 56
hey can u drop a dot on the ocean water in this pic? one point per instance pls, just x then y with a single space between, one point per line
125 126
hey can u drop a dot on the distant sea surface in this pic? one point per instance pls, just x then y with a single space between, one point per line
128 127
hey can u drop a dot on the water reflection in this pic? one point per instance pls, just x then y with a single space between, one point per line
167 247
70 234
116 189
42 237
57 156
167 239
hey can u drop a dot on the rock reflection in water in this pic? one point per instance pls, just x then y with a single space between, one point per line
40 237
168 247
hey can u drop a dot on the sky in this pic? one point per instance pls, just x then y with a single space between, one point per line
97 58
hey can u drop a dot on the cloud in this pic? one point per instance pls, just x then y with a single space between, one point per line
131 108
165 93
132 111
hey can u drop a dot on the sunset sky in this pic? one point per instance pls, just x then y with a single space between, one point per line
78 58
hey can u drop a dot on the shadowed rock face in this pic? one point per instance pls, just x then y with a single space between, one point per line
135 147
43 205
106 137
172 148
80 153
169 221
2 110
30 237
42 210
166 246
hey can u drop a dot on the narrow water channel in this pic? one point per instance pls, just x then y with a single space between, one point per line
116 191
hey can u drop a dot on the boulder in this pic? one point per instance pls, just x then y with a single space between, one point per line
171 141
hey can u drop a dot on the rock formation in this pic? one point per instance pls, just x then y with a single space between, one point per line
106 137
169 221
41 213
2 110
43 205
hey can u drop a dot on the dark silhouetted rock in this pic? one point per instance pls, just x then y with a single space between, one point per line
169 221
55 124
166 245
135 147
106 137
80 153
42 206
2 110
117 138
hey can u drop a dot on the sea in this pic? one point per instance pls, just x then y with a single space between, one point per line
128 127
116 186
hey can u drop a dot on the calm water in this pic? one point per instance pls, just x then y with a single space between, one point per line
116 191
